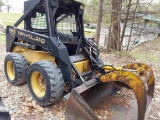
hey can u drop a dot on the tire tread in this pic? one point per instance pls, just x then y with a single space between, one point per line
56 80
21 66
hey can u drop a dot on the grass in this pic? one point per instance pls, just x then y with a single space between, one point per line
89 30
10 18
142 56
145 57
147 51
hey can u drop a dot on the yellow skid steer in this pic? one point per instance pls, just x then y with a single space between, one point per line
53 56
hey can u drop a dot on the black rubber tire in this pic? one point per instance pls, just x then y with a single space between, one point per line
53 80
20 65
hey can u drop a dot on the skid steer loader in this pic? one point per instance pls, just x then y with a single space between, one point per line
53 56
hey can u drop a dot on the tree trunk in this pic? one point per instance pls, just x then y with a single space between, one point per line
126 21
8 7
99 21
115 43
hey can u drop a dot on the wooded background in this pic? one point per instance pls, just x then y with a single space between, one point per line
110 14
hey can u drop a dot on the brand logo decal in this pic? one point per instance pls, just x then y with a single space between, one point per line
31 37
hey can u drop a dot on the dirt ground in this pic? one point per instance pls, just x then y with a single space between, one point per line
21 106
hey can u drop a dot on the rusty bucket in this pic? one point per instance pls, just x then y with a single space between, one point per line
89 95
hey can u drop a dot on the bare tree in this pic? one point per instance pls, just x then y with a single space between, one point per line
9 6
114 40
126 21
1 4
99 21
116 36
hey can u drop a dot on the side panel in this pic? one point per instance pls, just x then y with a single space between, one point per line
13 33
53 46
33 56
82 66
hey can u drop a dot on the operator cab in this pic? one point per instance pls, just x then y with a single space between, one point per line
68 24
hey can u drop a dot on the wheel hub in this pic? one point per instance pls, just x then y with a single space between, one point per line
10 70
38 84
